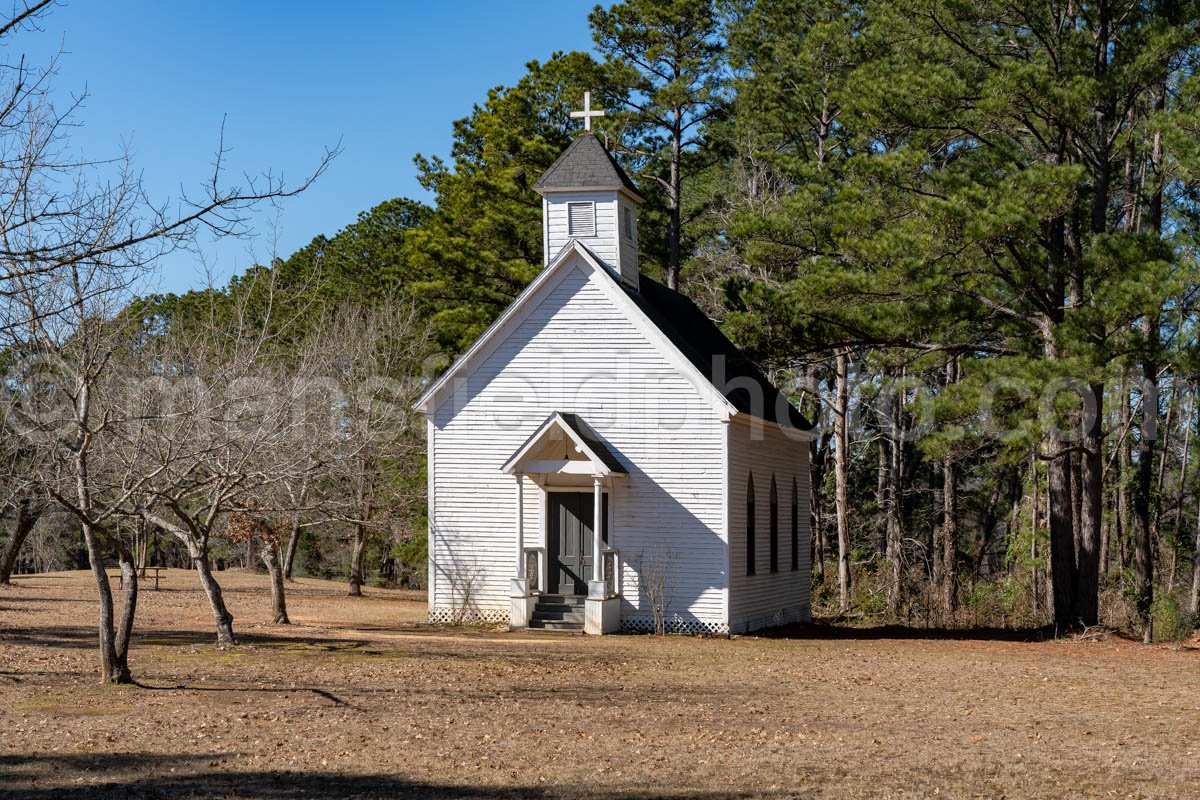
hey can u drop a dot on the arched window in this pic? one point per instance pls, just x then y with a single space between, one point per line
750 525
774 526
795 527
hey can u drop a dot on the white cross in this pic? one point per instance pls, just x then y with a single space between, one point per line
587 112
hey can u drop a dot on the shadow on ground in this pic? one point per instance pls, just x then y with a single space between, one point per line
44 777
84 636
415 641
823 629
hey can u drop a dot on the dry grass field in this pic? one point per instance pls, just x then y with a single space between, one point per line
359 699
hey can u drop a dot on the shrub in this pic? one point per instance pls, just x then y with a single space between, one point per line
1172 623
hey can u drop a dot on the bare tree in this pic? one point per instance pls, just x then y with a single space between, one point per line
60 415
22 503
298 495
24 513
256 532
655 573
75 236
372 360
211 423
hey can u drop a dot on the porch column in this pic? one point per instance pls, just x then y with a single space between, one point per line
597 531
520 526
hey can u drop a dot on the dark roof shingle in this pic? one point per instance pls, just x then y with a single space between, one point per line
702 343
585 164
585 432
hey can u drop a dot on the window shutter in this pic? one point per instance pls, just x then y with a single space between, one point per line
751 560
628 224
795 528
581 219
773 529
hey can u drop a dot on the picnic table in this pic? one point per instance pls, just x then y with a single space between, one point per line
145 571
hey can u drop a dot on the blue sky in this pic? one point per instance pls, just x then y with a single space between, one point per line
384 78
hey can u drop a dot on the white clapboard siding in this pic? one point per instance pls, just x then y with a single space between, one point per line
577 351
766 598
604 240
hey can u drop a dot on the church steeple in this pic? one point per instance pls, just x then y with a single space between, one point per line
587 197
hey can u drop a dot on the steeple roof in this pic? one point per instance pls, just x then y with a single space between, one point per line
586 164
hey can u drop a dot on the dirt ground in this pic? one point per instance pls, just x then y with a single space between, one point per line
360 699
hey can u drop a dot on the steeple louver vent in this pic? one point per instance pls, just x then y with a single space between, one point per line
581 219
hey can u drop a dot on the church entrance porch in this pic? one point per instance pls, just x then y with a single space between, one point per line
570 557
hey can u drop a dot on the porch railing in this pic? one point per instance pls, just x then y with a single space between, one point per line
612 566
533 568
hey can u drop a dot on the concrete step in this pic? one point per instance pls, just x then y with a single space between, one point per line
552 625
561 600
557 615
559 608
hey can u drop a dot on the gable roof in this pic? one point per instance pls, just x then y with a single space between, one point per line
586 164
591 442
696 341
699 339
586 439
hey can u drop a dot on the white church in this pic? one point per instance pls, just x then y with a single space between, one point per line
603 452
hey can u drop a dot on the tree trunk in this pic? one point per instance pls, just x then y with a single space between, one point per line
221 615
113 668
1062 533
881 492
1060 504
27 517
841 465
1143 555
946 543
1194 605
1143 546
293 539
816 547
1091 467
141 547
1087 589
1123 469
1163 449
937 488
1034 513
674 202
1076 509
129 581
1047 569
895 522
270 559
1106 527
289 557
358 555
1177 532
114 664
949 548
818 451
817 518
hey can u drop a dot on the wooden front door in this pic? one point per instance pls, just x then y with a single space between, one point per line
569 545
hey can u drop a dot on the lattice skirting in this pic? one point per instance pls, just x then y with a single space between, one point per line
784 616
445 615
675 623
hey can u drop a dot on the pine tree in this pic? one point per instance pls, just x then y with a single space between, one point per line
668 56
